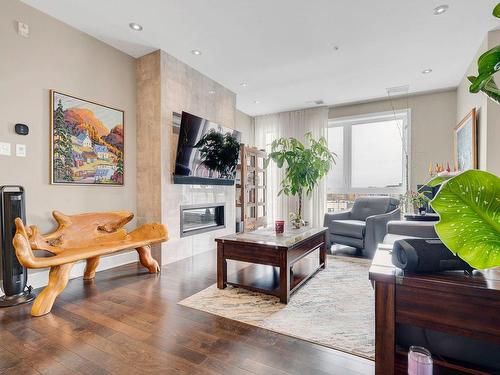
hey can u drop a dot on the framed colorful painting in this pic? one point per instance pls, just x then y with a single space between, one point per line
86 142
466 142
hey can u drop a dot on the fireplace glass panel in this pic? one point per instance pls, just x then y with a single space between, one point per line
201 219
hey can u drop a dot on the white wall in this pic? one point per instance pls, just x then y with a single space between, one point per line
56 56
433 117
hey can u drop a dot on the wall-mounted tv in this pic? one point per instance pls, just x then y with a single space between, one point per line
207 153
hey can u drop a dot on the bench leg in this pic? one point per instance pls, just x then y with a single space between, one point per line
58 279
147 260
90 268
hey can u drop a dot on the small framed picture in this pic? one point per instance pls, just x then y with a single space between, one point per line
466 142
86 142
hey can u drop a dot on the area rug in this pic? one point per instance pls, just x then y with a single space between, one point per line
335 308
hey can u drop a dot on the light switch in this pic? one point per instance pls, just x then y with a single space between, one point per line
5 148
21 150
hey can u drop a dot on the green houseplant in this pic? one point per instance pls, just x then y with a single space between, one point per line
468 205
304 166
417 199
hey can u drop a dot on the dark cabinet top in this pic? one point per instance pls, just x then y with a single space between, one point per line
484 283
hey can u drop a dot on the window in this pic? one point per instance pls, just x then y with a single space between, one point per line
371 157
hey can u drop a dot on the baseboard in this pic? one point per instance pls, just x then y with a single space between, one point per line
40 279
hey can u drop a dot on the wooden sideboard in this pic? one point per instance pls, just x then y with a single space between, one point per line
454 303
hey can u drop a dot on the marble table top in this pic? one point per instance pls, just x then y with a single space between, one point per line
267 236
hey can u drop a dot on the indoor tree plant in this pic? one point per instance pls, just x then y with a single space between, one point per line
304 167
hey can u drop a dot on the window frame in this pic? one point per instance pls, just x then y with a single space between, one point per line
347 123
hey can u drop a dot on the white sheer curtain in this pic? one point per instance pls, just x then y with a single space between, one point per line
291 124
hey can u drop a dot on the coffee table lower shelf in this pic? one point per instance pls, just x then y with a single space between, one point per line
280 264
266 279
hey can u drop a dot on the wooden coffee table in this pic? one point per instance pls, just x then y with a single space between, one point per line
280 263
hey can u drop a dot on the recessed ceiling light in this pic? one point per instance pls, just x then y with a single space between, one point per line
211 92
196 52
243 84
256 101
135 26
440 9
427 71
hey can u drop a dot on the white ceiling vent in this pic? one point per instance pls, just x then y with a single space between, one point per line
398 90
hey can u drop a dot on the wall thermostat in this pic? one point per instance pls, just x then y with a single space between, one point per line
23 29
22 129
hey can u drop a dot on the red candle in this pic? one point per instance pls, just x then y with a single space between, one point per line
279 226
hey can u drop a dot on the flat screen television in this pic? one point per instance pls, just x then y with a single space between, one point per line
207 153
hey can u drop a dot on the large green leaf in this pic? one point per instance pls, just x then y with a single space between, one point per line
469 210
487 65
437 180
496 11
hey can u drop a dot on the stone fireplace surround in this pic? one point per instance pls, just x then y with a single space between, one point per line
178 247
166 86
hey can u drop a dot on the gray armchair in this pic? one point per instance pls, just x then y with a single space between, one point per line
364 225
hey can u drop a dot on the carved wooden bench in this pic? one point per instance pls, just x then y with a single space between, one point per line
78 237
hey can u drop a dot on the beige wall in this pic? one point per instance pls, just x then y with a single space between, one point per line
467 101
488 111
433 117
59 57
493 118
167 85
246 125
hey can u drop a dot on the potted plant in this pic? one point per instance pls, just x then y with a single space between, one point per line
304 167
417 199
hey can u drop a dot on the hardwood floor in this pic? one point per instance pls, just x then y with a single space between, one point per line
128 322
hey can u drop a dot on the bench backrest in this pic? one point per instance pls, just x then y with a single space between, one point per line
80 231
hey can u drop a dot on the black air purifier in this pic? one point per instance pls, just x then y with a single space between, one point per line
421 255
14 275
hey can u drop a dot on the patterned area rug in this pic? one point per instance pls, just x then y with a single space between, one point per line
335 308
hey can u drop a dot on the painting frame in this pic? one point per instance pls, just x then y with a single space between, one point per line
465 148
52 103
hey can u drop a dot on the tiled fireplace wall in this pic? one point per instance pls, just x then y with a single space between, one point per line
166 85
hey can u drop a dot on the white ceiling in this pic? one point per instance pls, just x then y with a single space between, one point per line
284 49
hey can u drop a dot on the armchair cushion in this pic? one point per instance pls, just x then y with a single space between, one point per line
369 206
358 243
349 228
